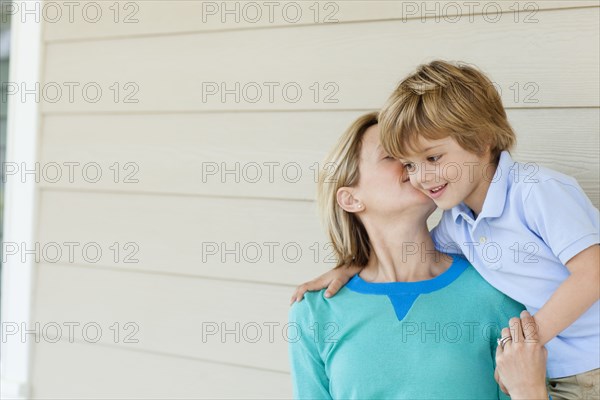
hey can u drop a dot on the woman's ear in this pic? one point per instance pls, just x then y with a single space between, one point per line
347 201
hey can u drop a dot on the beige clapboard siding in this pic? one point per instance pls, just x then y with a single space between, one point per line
271 155
172 314
295 140
561 148
171 73
103 372
540 143
239 239
168 17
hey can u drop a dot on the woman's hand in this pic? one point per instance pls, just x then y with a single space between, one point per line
333 280
521 360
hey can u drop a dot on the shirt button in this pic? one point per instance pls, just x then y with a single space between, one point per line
482 239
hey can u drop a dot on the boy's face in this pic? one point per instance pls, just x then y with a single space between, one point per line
449 174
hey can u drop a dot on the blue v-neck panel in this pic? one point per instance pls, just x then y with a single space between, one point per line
402 303
403 294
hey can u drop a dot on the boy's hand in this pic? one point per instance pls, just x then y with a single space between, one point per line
521 361
333 280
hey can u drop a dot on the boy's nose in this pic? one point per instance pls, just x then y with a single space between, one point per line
426 174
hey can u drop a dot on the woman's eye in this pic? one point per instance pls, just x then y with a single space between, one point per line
409 166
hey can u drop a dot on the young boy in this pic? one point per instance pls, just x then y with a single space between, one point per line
529 231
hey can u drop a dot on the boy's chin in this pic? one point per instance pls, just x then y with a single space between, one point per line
445 205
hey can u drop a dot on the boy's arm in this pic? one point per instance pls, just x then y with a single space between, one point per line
442 237
564 217
573 297
333 280
336 278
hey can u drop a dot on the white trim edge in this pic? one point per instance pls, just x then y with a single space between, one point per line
20 209
14 390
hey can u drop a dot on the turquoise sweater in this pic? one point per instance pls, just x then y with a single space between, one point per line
433 339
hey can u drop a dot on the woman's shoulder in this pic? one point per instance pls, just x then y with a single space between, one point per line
310 308
316 307
480 290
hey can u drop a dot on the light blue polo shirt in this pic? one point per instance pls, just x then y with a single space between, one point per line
533 221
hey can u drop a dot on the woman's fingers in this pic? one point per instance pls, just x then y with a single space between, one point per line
497 377
506 333
499 351
499 354
520 363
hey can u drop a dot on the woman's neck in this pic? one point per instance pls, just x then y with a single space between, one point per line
403 252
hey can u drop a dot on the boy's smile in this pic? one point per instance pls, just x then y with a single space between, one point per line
437 191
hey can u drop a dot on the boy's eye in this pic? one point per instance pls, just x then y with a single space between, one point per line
409 166
433 158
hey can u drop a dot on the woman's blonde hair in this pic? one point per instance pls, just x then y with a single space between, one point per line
347 233
443 99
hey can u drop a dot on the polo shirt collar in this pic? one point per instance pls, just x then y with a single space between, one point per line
461 210
495 199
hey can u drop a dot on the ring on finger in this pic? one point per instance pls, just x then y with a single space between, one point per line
502 341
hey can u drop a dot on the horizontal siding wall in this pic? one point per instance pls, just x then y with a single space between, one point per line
106 372
199 176
346 54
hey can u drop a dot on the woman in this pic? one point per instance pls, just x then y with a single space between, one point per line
414 323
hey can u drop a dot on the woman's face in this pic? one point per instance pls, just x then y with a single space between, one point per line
384 186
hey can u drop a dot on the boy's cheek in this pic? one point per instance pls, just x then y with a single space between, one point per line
414 182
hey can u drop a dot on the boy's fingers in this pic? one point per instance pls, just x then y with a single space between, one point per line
315 284
529 327
294 296
297 296
299 293
516 330
333 288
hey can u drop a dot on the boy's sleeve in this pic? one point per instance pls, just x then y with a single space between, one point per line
508 309
442 237
563 216
309 380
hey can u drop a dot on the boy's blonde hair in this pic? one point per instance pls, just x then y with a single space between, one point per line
348 235
443 99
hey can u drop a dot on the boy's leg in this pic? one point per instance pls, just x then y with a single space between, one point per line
584 386
590 383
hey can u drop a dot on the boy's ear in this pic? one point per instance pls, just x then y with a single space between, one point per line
347 201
